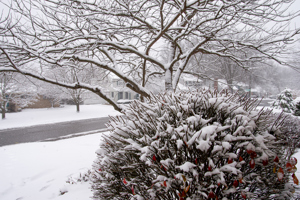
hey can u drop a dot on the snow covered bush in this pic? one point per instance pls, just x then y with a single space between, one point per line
284 101
193 145
291 129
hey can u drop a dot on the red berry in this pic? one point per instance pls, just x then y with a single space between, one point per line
230 160
276 159
253 154
154 158
289 166
280 174
132 189
295 179
249 151
293 161
209 168
235 183
252 163
163 167
211 195
243 194
241 159
265 162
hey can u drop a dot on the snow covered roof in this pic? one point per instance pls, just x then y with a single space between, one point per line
188 77
182 87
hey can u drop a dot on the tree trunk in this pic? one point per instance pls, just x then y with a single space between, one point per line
3 113
168 80
3 110
230 84
169 70
77 107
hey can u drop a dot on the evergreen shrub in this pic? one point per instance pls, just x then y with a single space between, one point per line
284 101
193 145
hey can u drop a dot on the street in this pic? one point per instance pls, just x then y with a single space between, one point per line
266 102
50 131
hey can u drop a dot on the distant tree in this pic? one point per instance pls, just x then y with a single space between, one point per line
124 37
284 101
15 91
75 72
213 67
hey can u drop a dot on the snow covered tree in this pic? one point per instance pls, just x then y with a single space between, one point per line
193 145
284 101
14 91
76 72
125 38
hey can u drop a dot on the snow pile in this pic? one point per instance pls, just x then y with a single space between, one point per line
190 146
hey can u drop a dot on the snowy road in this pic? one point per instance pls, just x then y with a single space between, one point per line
43 132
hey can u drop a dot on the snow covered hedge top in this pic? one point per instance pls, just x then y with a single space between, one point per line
193 145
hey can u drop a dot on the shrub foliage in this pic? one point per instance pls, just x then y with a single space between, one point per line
193 145
284 101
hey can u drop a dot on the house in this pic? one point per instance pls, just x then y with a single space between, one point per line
115 89
119 91
191 82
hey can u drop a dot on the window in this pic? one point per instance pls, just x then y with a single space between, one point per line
120 95
126 95
112 94
120 83
129 95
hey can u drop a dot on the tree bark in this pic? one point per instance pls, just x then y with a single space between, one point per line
3 110
168 80
3 113
169 70
77 107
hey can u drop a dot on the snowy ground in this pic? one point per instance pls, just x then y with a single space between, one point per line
41 170
30 117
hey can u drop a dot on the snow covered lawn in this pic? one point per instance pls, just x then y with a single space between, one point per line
40 170
30 117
